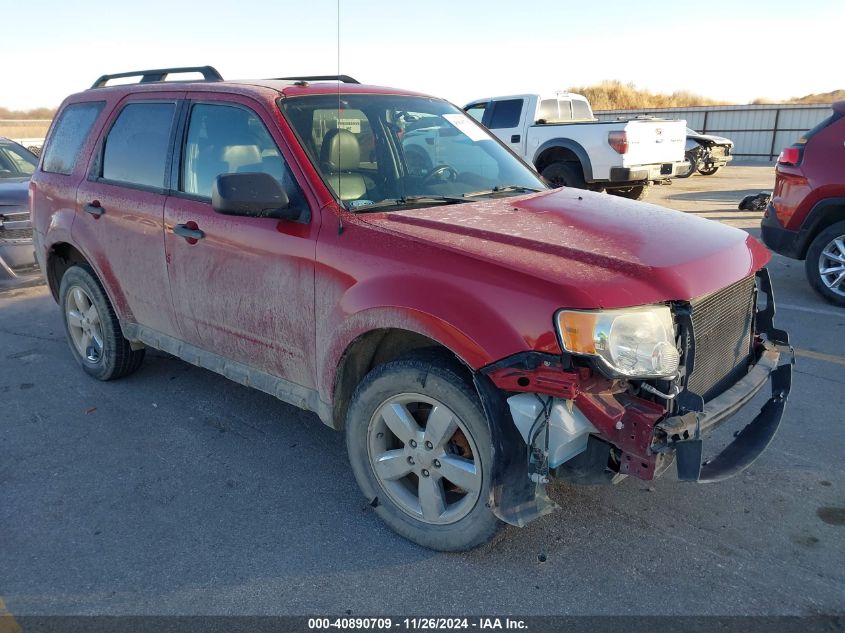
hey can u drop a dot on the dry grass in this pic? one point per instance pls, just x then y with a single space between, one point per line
24 129
821 97
36 113
615 95
25 123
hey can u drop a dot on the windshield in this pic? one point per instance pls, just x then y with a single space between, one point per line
691 132
383 149
16 162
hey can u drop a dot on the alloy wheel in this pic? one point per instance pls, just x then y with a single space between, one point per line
832 265
84 324
424 458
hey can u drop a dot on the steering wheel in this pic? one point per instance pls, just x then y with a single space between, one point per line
441 172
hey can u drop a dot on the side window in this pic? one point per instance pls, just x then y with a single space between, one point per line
477 111
554 111
15 163
506 113
68 136
581 110
137 144
226 139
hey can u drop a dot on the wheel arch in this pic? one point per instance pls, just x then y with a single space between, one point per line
60 257
376 347
564 149
824 214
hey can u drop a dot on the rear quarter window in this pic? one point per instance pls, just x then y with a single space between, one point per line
581 110
136 147
69 134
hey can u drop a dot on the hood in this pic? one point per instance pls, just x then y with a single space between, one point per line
600 251
710 139
13 191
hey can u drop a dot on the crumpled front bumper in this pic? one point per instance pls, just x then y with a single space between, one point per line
686 432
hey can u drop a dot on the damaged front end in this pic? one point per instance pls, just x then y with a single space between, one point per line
573 419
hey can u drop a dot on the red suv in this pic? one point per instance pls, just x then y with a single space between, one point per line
806 216
473 332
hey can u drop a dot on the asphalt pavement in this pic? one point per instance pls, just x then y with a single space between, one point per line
176 491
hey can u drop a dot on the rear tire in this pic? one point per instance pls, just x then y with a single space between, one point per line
421 452
565 174
692 159
827 253
708 171
632 193
92 328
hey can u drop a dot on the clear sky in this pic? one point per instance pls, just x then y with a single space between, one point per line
733 50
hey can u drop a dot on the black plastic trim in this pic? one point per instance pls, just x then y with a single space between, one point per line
209 73
514 498
573 146
346 79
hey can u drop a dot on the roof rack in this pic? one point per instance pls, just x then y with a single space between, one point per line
346 79
208 73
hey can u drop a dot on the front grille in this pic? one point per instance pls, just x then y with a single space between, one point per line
15 225
721 324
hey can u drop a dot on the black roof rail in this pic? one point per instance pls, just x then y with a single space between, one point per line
346 79
208 73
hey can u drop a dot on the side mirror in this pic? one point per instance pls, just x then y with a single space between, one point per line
254 195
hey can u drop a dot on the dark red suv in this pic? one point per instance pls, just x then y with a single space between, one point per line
473 332
806 216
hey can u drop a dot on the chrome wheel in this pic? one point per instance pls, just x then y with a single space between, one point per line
424 458
84 325
832 265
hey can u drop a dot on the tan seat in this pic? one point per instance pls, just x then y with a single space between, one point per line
340 156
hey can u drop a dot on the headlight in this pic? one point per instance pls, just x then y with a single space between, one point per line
632 342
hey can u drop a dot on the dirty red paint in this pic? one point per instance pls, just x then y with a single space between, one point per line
483 279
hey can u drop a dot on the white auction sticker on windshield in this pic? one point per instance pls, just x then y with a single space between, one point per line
353 125
466 126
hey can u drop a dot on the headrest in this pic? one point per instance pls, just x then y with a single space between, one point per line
340 151
239 155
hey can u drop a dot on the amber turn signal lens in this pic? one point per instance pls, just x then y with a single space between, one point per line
577 331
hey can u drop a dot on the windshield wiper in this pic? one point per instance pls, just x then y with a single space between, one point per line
407 200
502 189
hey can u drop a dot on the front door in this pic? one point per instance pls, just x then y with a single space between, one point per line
243 288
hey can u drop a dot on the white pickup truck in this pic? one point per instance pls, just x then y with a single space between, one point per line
568 146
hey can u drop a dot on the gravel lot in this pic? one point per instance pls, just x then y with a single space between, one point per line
176 491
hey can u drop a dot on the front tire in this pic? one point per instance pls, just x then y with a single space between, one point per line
92 328
632 193
420 449
825 264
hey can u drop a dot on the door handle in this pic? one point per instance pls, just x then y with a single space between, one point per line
94 208
189 233
515 138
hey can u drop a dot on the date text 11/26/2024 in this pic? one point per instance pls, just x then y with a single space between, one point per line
417 624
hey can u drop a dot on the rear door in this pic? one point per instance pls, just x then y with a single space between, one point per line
120 208
245 289
651 142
